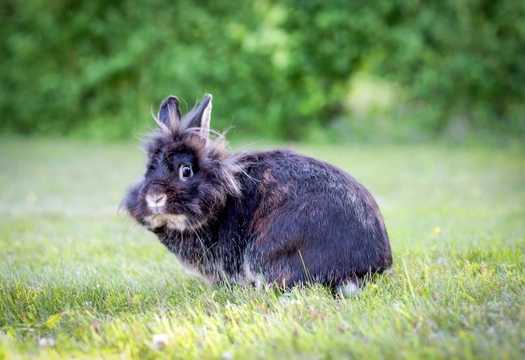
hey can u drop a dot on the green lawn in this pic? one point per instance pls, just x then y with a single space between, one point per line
76 270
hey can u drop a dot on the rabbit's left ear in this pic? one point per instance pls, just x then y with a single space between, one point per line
169 113
202 115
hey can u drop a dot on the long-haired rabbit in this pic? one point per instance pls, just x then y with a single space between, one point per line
272 216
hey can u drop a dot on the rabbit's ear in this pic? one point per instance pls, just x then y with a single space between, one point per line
202 115
169 113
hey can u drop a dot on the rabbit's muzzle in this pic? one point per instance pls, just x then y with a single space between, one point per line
156 202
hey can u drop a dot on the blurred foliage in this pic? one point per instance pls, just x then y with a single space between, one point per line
286 69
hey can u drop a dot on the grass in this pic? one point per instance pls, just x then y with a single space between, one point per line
75 270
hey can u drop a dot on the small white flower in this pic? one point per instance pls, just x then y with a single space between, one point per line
227 355
160 341
46 342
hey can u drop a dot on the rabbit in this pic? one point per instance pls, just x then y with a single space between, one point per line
255 217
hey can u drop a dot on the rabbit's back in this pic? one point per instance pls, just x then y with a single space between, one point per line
310 221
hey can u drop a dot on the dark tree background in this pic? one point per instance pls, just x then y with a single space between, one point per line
283 69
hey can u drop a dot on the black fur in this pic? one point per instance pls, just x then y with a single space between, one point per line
274 216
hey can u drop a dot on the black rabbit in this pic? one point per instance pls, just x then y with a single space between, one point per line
271 216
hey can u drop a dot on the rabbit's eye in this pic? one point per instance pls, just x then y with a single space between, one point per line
185 172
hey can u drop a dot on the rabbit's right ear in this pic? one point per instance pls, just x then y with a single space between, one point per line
169 113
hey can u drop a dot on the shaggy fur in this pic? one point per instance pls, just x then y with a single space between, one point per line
271 216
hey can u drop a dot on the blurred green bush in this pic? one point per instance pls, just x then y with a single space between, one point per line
289 69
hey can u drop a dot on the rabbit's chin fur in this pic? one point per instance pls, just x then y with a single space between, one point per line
170 221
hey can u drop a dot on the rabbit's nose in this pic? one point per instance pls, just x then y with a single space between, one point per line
156 200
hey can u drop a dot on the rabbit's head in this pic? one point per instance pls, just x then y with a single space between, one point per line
189 174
